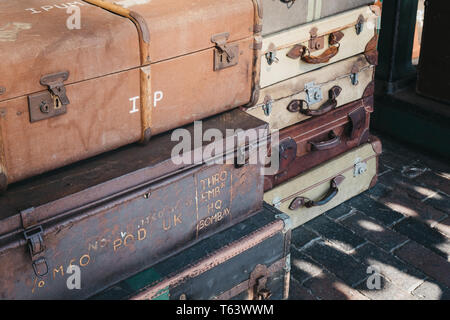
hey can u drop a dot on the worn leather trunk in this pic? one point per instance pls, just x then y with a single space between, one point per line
299 50
328 185
284 14
434 64
80 80
250 261
310 143
315 93
119 213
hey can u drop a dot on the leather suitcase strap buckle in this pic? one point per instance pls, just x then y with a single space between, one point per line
36 248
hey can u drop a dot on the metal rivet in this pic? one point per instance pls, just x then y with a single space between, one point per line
2 90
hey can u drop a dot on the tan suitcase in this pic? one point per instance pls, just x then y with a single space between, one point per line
312 193
317 92
84 77
308 47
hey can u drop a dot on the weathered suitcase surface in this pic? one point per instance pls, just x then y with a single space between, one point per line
322 188
316 93
434 63
121 212
78 80
248 261
308 47
310 143
284 14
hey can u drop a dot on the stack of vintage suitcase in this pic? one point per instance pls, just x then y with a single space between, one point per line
88 93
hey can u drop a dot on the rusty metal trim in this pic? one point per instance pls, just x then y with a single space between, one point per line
212 260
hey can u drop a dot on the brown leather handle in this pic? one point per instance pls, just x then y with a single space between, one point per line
330 195
302 106
323 58
333 142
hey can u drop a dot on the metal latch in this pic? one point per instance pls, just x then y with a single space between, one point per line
359 168
36 247
271 55
313 93
267 105
259 278
354 78
51 103
316 43
225 55
359 25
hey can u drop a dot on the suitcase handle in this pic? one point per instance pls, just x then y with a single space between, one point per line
323 58
333 142
330 195
302 106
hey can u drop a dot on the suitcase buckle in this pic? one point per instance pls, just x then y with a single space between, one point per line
51 103
36 247
225 54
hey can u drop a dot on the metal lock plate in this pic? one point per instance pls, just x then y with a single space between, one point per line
225 54
359 25
359 168
267 106
313 93
51 103
354 78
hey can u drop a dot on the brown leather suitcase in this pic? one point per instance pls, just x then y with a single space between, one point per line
250 261
312 142
84 77
121 212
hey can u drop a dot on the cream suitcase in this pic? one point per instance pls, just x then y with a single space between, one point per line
309 195
284 14
315 93
311 46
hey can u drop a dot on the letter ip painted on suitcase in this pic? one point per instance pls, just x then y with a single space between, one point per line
157 97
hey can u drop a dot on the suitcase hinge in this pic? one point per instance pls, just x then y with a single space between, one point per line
36 247
44 105
316 43
226 54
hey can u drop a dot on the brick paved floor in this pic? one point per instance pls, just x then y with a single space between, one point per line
392 242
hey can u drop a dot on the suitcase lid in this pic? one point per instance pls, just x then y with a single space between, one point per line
38 39
69 190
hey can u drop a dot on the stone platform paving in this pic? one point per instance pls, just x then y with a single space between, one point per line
390 243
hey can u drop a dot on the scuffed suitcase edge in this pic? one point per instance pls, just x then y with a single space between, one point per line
378 149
